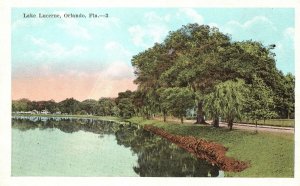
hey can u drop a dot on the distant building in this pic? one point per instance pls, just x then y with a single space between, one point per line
58 112
45 112
23 112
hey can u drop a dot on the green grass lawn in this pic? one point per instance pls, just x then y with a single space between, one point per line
270 154
274 122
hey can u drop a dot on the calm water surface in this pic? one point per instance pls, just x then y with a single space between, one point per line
86 147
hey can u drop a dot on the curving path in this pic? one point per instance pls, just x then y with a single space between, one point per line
242 126
265 128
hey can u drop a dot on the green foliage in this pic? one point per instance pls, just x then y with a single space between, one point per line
197 53
185 59
82 112
285 97
199 57
51 106
227 101
69 105
89 105
212 105
126 108
177 101
127 94
139 102
259 102
27 105
290 94
105 107
115 110
20 105
124 102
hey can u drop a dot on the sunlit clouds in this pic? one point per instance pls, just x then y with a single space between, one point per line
80 86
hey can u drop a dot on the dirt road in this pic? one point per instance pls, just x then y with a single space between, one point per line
241 126
260 127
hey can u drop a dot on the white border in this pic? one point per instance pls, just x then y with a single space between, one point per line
154 3
5 93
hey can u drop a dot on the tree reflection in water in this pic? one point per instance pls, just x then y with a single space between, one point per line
157 157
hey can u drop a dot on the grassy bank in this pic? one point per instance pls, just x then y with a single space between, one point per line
270 154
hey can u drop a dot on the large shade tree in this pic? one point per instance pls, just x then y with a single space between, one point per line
186 58
199 57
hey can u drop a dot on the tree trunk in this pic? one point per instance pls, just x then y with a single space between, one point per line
214 171
216 122
200 116
148 115
165 116
255 126
181 119
230 124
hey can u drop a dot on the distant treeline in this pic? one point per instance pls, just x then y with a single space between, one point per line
120 106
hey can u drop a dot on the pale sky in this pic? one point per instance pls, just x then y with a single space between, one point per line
90 58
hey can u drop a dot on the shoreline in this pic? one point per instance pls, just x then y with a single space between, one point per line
208 150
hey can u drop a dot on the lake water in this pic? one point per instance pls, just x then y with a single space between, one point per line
85 147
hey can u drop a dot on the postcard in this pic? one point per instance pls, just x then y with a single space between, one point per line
109 94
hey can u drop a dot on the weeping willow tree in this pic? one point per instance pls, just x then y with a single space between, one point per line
227 101
212 107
